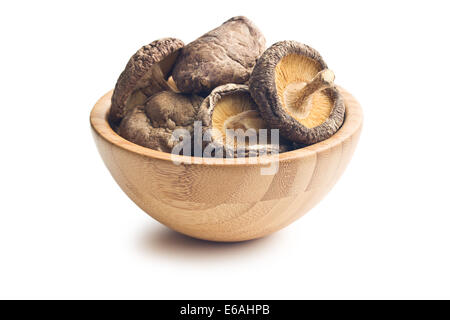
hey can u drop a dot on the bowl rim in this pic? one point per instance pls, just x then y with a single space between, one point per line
352 123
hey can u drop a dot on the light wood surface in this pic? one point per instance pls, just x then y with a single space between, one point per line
228 201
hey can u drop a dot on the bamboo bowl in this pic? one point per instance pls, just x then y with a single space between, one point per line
226 200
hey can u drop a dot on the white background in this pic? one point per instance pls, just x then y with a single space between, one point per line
68 231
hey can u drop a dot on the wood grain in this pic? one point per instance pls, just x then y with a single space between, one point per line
228 200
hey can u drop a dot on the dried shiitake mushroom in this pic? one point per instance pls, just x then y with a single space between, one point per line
230 107
151 125
146 73
224 55
294 92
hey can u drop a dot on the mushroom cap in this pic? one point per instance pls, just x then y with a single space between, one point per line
144 74
136 127
151 125
224 55
285 66
230 106
171 110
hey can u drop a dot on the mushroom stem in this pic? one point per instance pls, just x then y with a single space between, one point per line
246 120
154 81
299 96
172 84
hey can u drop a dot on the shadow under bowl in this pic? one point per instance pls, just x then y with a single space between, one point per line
226 199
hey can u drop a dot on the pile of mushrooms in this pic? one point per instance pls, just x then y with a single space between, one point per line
227 82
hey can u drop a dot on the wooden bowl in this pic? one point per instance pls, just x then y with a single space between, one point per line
226 200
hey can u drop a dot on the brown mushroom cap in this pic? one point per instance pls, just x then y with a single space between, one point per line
146 73
230 106
173 110
224 55
294 92
152 125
